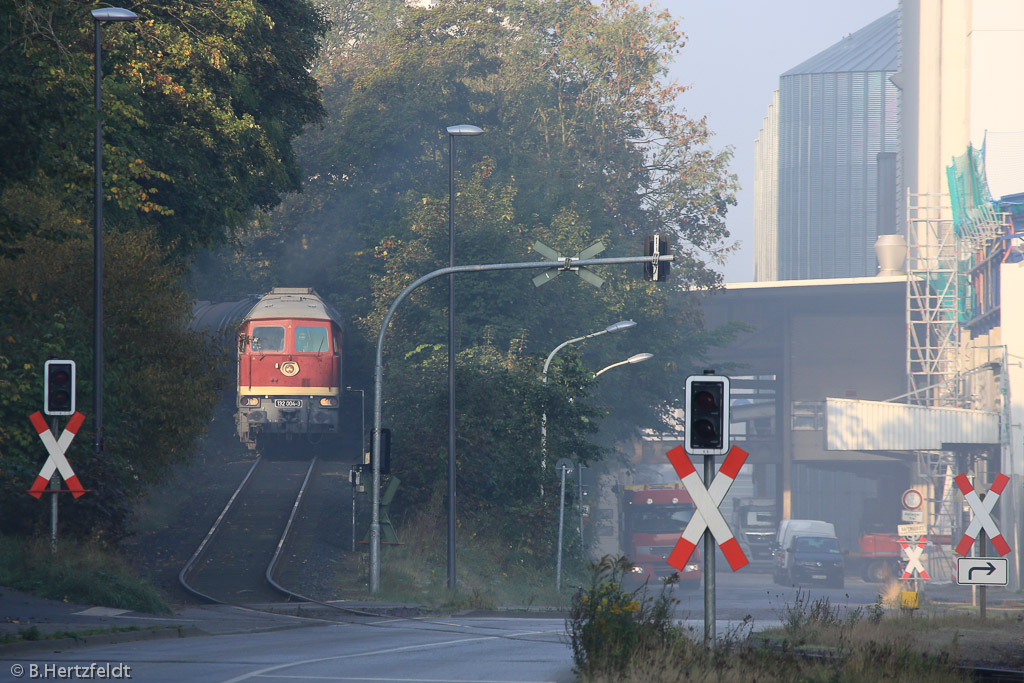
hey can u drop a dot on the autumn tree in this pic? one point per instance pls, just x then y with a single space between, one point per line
583 142
201 105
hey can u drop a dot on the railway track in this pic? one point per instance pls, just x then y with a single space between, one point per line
237 561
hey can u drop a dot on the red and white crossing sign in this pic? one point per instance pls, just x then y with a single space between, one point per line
56 448
982 514
913 551
707 515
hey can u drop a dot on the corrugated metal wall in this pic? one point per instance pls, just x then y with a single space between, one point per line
832 126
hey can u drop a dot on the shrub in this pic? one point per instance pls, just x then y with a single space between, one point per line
609 627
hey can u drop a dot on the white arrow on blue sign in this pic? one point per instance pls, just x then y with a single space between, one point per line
981 571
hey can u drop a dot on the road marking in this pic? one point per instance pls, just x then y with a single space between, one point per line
102 612
373 653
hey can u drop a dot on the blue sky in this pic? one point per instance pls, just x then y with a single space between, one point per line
735 51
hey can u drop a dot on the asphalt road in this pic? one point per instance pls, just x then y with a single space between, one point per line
483 648
463 649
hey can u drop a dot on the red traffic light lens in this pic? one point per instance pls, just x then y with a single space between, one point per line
704 400
59 377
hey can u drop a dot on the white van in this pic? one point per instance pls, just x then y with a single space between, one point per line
808 550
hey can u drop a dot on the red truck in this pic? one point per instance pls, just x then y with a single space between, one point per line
877 557
652 518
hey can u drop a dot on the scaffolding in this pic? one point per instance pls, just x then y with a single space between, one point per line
934 301
948 236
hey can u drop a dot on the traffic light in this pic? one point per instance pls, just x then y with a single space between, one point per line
59 387
656 244
707 415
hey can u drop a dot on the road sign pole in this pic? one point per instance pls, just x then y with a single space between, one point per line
709 565
54 488
561 519
983 551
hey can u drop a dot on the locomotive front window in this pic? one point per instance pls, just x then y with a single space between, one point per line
311 340
267 339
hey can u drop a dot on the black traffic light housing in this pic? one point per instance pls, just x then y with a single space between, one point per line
656 244
707 415
59 387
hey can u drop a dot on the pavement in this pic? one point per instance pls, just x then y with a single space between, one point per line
65 625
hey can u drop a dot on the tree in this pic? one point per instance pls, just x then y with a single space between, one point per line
160 380
201 103
583 143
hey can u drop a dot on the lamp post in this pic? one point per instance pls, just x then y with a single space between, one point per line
638 358
99 16
617 327
362 450
453 132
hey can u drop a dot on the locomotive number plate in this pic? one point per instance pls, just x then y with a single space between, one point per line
288 403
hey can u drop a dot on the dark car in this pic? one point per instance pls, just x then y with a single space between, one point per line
817 558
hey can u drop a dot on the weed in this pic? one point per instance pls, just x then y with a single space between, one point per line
609 626
490 573
876 611
79 572
804 615
30 633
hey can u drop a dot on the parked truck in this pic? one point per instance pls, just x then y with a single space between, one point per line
651 519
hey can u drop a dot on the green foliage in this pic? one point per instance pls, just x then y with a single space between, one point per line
499 460
632 638
160 379
201 102
79 572
582 144
610 627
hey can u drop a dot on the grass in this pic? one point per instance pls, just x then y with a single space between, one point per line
33 633
488 575
78 572
817 641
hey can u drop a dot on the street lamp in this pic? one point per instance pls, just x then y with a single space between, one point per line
362 450
453 132
99 16
617 327
638 358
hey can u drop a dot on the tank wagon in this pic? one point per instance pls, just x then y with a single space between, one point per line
289 368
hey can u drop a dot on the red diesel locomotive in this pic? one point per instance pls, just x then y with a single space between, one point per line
289 368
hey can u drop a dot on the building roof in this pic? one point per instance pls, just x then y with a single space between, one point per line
872 48
816 282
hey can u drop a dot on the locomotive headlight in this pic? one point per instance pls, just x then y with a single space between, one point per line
329 402
249 400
